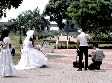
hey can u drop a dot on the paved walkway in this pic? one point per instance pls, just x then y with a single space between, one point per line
61 71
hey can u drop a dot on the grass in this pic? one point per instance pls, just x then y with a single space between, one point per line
15 43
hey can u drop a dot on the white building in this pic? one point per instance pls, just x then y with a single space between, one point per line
53 26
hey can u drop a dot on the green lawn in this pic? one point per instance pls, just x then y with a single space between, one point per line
15 42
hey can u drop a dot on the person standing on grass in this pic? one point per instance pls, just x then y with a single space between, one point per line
82 42
31 54
6 63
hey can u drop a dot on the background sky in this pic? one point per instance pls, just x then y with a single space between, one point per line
26 5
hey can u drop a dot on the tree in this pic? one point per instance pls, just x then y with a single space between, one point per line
56 9
31 20
27 19
7 4
44 23
93 15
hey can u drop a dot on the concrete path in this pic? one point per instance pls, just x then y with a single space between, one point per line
61 71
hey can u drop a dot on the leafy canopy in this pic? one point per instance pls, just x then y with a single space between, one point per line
91 14
56 10
7 4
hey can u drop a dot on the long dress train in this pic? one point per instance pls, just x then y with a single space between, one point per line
31 57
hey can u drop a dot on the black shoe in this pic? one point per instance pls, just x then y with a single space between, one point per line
79 70
43 66
98 68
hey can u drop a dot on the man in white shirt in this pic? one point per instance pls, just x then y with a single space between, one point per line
82 41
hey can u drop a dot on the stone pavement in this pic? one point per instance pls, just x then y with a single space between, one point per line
60 70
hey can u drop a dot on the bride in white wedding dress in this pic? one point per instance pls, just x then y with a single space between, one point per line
31 56
6 62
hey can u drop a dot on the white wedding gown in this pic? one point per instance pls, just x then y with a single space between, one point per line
31 57
6 64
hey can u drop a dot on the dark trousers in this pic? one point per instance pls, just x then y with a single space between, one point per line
95 65
83 50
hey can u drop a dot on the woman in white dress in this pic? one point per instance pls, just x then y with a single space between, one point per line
31 56
6 64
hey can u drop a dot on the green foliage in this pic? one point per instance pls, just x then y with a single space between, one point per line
56 9
91 14
28 19
31 20
100 36
7 4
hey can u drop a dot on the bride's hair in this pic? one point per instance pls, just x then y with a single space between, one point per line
32 38
5 33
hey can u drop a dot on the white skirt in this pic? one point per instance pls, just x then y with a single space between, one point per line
6 64
31 58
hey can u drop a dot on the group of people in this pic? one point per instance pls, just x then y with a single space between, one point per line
31 54
97 54
33 57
